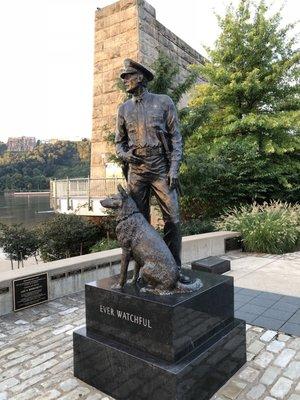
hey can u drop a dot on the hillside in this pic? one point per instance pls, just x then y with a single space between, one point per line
32 170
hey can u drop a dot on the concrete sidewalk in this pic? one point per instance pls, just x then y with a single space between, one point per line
268 273
267 290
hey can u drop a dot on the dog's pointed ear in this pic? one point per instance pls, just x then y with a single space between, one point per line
122 191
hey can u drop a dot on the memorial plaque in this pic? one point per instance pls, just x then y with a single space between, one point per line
30 291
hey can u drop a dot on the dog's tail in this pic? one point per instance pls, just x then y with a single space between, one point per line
190 287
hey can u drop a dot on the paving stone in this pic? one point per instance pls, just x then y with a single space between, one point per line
264 359
68 384
4 352
268 335
51 395
39 360
256 392
275 346
295 344
270 374
62 366
257 329
9 373
281 305
233 388
293 370
255 347
249 374
29 394
38 369
281 388
291 328
56 381
284 358
68 311
62 329
98 396
8 383
278 314
294 397
76 394
283 338
21 322
251 336
21 387
253 309
270 323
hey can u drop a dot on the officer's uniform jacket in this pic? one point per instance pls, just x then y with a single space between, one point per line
140 119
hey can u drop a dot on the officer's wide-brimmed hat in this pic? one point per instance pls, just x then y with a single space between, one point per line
132 67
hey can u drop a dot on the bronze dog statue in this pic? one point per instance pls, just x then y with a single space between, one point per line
154 262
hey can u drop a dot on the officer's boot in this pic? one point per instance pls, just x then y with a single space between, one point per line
172 237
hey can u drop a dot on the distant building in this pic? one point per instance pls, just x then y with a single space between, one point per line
23 143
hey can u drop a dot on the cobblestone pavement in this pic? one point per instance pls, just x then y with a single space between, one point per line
36 358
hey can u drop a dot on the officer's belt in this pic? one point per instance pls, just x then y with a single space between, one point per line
149 151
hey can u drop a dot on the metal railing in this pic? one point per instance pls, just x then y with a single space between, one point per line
83 187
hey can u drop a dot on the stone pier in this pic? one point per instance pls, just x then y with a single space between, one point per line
126 29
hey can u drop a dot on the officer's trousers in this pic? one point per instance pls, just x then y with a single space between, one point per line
149 178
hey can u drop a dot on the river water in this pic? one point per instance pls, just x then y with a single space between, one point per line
28 210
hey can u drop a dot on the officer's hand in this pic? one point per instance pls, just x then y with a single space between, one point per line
131 158
173 181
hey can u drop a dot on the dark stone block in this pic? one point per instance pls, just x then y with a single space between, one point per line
215 265
234 243
253 309
128 374
269 323
164 326
291 329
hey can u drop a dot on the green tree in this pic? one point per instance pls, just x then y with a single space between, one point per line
244 120
167 79
252 88
18 242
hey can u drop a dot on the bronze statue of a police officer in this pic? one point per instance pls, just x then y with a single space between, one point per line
148 139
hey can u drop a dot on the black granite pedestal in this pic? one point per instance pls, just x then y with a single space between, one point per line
142 346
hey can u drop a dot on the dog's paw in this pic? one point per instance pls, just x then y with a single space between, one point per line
132 281
117 286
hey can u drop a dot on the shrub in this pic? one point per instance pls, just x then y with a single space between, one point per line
267 228
104 244
18 242
196 226
67 236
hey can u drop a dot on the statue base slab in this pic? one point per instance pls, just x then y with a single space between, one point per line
127 374
138 346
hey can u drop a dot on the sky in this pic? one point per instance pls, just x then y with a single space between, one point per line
46 68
